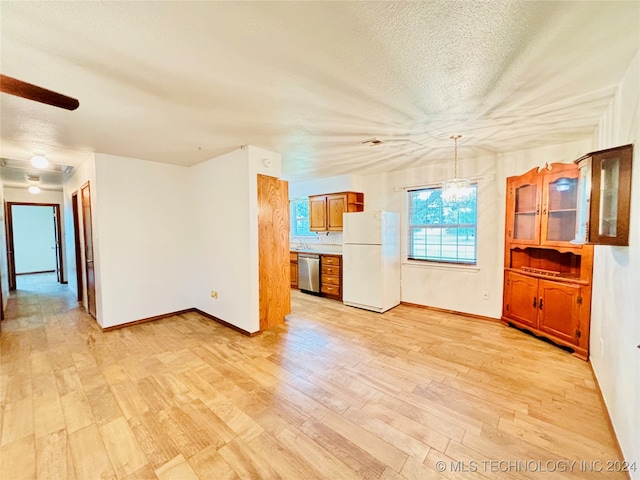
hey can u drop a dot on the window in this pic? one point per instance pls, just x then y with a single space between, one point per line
440 230
300 218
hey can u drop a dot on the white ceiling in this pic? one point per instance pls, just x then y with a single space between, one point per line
181 82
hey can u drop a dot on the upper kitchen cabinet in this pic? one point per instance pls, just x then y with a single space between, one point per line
604 196
325 211
542 205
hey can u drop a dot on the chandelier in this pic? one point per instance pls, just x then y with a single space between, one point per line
456 189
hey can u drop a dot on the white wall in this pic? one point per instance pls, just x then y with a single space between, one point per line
460 288
143 216
13 194
34 238
615 323
225 245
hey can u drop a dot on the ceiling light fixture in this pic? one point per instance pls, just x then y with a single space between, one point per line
39 161
34 189
456 188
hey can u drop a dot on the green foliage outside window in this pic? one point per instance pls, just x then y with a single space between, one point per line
441 230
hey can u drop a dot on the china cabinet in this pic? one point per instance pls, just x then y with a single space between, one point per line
547 279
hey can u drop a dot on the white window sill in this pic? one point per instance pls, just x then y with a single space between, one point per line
441 266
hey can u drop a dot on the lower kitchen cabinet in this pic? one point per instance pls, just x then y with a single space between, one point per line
331 276
294 269
553 309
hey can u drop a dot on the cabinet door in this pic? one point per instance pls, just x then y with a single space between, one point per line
521 298
318 213
523 211
294 274
559 306
610 196
559 208
336 206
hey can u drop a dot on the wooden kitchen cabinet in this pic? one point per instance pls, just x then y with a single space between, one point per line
604 196
547 282
331 276
325 211
293 256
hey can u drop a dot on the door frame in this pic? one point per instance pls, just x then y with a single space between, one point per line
89 266
75 205
11 258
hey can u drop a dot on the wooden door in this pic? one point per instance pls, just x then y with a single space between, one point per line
559 206
88 249
57 227
274 259
336 206
523 210
11 258
318 213
559 307
521 299
76 239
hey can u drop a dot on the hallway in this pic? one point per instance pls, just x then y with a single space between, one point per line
336 393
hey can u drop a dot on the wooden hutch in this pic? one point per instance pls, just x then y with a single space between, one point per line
547 278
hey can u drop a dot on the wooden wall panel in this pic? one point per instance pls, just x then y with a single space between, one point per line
273 251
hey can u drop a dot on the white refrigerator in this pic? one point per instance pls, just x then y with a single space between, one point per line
371 260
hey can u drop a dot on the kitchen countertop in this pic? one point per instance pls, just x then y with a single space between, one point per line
319 252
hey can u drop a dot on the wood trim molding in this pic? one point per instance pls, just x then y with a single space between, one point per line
35 273
226 324
180 312
444 310
146 320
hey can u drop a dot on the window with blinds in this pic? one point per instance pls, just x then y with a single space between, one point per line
441 230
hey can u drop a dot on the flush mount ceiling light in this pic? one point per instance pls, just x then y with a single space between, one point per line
39 161
456 188
34 189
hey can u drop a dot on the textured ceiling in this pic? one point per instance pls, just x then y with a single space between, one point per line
181 82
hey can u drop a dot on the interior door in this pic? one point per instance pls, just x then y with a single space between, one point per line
11 258
57 228
88 249
76 238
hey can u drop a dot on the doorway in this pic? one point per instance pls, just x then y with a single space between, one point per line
33 240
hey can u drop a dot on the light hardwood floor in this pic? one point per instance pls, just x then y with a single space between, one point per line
336 393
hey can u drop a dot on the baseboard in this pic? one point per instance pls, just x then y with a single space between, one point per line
179 312
606 410
146 320
454 312
35 273
226 324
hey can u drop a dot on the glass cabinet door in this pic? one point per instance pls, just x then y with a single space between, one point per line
526 212
604 197
559 212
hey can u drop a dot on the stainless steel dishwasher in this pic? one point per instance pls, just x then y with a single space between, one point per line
309 272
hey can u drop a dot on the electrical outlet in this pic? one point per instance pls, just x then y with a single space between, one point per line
485 295
214 294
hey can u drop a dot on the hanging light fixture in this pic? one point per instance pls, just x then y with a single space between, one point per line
456 188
